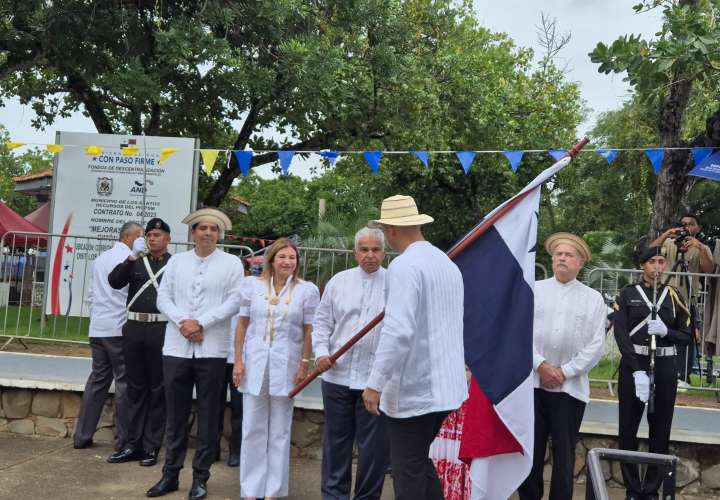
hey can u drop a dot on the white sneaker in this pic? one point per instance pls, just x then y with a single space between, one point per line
682 386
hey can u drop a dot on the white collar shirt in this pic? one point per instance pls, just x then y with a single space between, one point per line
278 350
107 305
419 363
568 332
350 300
206 289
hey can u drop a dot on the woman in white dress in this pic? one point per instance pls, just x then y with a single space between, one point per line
272 352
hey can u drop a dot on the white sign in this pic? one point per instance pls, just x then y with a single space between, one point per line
95 194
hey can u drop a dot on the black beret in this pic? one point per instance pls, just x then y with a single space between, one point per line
157 223
649 253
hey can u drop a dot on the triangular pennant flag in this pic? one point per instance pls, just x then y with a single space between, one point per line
709 168
165 154
331 156
93 150
699 154
558 154
514 157
209 156
55 148
244 158
655 155
373 159
130 150
608 154
466 158
14 145
423 156
285 158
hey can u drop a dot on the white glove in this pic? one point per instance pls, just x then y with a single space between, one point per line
657 327
642 385
138 247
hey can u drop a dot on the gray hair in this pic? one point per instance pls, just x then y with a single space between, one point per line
128 228
371 232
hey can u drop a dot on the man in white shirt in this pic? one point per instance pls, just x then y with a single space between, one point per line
107 316
199 294
350 300
568 338
418 375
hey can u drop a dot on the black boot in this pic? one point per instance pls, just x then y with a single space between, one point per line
198 491
168 483
150 457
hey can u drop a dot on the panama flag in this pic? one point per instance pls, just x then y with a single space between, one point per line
497 261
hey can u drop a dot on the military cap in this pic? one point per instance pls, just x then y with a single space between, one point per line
649 253
157 223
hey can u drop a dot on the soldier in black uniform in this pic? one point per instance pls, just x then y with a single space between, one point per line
634 327
143 338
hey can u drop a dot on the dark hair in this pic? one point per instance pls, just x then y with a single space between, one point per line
693 216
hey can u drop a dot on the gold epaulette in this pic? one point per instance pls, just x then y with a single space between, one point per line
677 299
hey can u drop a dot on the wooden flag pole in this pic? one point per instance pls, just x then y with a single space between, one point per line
456 250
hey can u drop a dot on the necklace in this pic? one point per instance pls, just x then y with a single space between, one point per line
273 300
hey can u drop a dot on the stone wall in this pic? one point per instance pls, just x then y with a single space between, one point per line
53 413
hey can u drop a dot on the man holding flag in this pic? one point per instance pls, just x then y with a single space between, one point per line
418 376
569 330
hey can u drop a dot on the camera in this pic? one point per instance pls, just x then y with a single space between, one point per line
681 238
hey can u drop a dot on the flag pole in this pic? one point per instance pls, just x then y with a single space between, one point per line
456 250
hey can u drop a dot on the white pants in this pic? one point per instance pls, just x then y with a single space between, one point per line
265 451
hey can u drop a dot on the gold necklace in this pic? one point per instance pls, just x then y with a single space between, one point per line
273 300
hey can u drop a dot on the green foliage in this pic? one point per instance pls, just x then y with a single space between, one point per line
13 165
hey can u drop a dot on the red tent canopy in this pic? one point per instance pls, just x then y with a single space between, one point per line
40 217
12 221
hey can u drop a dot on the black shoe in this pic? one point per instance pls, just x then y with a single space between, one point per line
150 457
126 455
198 490
83 445
233 460
166 485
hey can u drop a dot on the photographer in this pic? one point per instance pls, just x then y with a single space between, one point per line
686 253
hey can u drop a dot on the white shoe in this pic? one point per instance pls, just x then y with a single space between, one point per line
683 386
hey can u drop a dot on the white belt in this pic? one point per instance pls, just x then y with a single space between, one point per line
660 351
146 317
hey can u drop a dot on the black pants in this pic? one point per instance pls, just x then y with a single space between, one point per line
414 475
659 422
236 411
685 360
348 422
181 375
142 345
558 416
107 364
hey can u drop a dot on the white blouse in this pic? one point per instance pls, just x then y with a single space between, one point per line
278 348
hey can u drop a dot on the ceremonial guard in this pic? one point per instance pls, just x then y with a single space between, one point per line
650 321
351 299
199 293
143 338
107 316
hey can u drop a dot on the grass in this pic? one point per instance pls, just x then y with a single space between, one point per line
27 321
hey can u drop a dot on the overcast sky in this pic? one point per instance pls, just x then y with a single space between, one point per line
588 21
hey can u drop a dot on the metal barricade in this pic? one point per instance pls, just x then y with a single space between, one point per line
609 281
596 488
25 286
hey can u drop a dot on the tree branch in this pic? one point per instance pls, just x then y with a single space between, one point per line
81 89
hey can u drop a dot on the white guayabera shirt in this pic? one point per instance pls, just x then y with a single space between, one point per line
107 305
207 289
569 332
350 300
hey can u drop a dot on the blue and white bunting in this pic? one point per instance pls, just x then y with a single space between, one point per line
285 157
608 154
330 156
558 154
699 154
244 158
709 168
423 156
514 157
655 155
373 159
466 158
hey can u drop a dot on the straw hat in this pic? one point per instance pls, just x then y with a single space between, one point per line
569 239
211 215
400 210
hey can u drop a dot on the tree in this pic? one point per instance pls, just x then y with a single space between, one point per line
12 165
676 73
